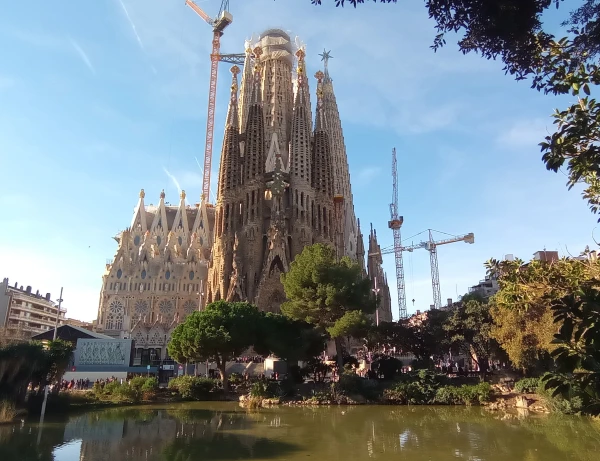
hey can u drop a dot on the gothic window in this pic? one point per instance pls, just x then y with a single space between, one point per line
155 338
189 306
180 240
158 239
201 241
191 275
165 307
114 319
119 273
167 275
136 240
143 275
141 307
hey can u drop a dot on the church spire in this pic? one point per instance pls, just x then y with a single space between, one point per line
254 150
322 175
300 170
230 168
139 216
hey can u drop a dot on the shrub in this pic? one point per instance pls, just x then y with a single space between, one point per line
137 382
7 411
427 388
465 394
235 378
265 389
193 387
527 385
127 393
150 387
352 384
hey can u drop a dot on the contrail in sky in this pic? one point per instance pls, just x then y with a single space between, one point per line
137 36
82 55
174 179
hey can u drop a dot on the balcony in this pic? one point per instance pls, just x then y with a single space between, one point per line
49 321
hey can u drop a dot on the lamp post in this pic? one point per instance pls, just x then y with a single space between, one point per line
60 300
376 291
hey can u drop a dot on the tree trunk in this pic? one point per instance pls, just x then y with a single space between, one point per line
340 357
222 365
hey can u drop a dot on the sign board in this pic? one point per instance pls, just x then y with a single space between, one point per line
147 367
181 367
168 367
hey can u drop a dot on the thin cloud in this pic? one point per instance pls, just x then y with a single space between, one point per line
132 24
84 57
174 179
368 174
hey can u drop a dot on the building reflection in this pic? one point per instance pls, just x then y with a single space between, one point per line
225 432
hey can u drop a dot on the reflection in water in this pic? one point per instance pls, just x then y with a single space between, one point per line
223 431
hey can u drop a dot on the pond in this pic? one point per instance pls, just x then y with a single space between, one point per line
224 431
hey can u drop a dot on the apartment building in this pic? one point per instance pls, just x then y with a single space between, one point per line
23 312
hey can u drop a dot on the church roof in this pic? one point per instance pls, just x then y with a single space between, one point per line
69 333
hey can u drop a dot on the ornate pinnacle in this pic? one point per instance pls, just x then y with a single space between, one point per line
182 195
319 76
142 193
235 70
162 194
257 52
300 54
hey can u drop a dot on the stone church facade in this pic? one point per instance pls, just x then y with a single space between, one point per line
283 184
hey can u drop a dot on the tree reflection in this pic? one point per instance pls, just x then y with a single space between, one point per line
223 446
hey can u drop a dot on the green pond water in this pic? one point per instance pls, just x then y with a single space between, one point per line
224 431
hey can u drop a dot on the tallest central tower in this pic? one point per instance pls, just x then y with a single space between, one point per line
278 175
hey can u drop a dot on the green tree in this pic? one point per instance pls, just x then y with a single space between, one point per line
23 363
521 310
289 339
425 339
221 332
577 353
320 290
470 330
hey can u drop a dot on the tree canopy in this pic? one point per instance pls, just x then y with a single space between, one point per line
321 290
523 319
221 332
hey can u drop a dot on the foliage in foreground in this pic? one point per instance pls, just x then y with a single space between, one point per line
135 391
577 355
521 310
23 363
194 387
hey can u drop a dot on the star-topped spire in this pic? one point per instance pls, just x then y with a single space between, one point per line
325 57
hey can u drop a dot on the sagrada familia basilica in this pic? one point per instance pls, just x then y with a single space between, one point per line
283 184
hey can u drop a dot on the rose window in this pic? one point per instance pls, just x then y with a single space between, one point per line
114 319
141 307
165 307
189 306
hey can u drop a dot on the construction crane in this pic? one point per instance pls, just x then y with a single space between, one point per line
224 19
395 224
431 246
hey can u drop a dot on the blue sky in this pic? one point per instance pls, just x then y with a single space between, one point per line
100 99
